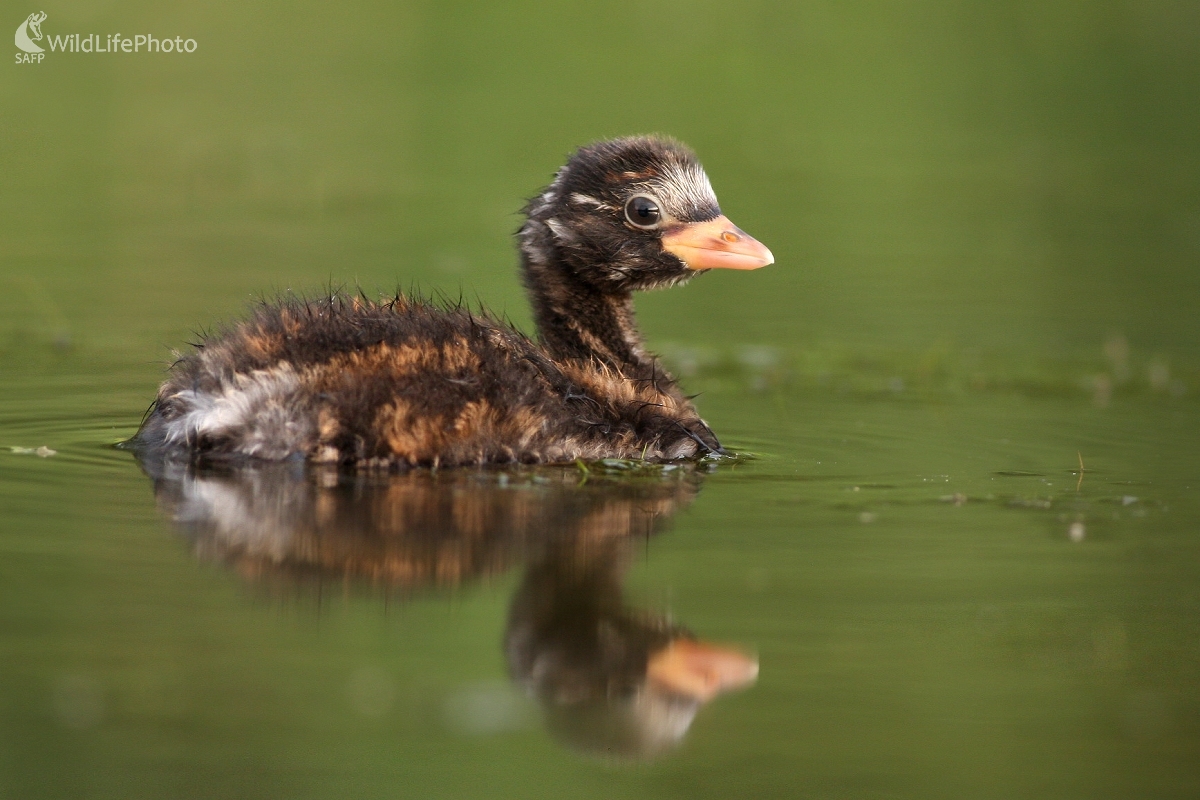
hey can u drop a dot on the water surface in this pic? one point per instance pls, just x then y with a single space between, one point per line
964 554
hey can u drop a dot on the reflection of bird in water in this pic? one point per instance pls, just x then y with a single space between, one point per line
289 526
344 380
612 680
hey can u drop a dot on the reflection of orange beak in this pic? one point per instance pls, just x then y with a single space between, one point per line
700 670
717 243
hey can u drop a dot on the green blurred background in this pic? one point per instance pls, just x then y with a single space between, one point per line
1017 177
986 219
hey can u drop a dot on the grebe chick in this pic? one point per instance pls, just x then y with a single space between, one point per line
404 382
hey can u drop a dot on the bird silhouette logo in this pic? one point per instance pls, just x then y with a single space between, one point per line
30 32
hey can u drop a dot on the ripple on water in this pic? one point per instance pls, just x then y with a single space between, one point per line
84 441
79 415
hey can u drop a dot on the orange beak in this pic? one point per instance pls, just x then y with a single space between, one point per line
716 244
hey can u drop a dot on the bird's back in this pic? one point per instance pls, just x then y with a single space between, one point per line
398 383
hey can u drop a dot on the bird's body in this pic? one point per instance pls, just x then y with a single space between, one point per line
405 382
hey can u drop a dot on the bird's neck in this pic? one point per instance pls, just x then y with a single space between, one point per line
576 320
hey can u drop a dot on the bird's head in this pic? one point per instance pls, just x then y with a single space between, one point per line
635 213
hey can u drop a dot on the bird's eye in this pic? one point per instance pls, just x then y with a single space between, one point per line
642 211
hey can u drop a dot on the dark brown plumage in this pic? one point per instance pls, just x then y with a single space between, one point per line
405 382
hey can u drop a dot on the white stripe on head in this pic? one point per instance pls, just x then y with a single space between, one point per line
560 231
685 189
587 200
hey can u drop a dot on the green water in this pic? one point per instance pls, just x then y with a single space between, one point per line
987 229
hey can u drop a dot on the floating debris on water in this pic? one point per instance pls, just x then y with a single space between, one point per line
866 517
40 452
1076 532
941 372
1022 502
